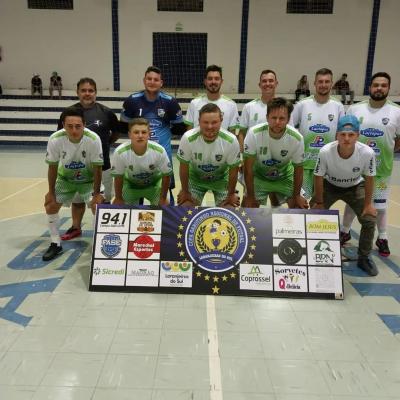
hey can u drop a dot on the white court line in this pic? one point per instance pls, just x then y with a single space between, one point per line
21 216
394 202
214 361
23 190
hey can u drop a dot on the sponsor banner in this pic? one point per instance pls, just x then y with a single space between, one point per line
146 221
290 251
142 273
288 225
321 226
113 220
109 272
176 274
324 252
144 247
325 280
256 277
290 278
111 245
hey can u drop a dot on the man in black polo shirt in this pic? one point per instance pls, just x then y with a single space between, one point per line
104 122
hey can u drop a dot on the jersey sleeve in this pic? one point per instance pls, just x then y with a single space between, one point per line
298 155
128 111
52 154
250 145
189 117
233 117
244 118
174 112
165 164
233 158
321 166
370 164
97 153
117 165
295 118
115 125
184 154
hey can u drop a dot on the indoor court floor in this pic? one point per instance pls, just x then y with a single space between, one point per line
60 341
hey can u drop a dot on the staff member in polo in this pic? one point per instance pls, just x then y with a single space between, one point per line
345 171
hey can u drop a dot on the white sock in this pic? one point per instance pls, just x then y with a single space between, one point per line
381 223
348 218
52 222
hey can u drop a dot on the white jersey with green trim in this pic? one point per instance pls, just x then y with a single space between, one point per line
209 161
317 122
379 127
141 170
345 172
230 115
253 113
75 160
274 158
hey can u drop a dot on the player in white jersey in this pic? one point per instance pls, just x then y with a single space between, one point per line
213 82
75 159
380 129
316 118
273 159
345 171
141 168
209 160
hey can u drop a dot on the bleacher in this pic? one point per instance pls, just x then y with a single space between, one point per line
27 120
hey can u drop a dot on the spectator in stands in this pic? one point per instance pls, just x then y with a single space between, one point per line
55 84
342 87
302 88
36 85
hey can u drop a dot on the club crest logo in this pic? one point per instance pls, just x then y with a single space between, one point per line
331 117
218 157
111 245
385 121
161 112
216 239
284 153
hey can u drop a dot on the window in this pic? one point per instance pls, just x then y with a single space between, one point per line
180 5
51 4
309 6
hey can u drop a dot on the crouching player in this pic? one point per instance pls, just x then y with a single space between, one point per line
75 157
141 168
209 159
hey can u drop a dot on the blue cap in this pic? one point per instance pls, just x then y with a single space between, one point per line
348 123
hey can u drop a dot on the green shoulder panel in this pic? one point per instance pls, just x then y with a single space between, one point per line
262 128
125 148
89 134
155 147
193 137
225 137
297 135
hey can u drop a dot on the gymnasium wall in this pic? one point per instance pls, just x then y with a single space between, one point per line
79 42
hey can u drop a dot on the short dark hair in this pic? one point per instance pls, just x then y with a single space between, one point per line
267 71
213 68
153 68
88 80
210 108
72 112
138 121
279 102
381 75
324 71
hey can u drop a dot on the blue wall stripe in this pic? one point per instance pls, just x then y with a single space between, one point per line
372 45
243 45
115 43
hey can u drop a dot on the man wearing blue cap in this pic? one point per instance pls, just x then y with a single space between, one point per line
345 171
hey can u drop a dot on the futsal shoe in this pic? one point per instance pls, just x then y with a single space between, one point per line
344 237
71 233
383 247
52 252
367 265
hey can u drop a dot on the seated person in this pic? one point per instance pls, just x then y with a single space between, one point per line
36 85
209 159
75 157
302 88
345 171
141 168
55 84
273 159
342 87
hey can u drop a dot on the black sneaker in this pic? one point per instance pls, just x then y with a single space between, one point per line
344 237
383 247
367 265
52 252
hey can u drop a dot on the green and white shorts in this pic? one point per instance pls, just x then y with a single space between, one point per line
198 191
68 192
381 192
283 189
308 183
131 195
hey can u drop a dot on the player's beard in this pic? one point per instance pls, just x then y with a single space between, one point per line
214 88
379 96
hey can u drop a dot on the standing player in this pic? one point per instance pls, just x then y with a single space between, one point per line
101 120
75 157
141 168
345 171
209 160
161 110
379 129
316 118
255 112
273 159
213 82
